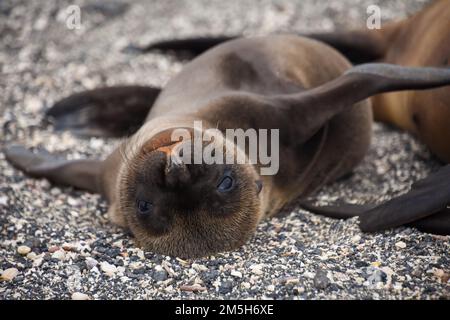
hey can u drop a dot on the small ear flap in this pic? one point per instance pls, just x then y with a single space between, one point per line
313 108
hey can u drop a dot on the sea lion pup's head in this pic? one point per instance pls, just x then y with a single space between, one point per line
187 210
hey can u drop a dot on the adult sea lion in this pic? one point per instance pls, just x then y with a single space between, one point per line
303 88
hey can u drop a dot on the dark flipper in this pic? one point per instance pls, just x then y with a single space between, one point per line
359 46
425 207
427 197
82 174
106 112
195 46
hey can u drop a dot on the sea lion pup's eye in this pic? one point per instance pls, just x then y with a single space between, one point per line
144 207
226 184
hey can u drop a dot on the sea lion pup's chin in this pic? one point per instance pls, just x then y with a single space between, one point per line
187 210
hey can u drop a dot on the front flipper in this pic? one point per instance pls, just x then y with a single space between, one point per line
425 207
105 112
82 174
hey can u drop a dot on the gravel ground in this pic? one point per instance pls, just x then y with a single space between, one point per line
55 243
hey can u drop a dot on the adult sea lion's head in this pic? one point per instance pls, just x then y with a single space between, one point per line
187 209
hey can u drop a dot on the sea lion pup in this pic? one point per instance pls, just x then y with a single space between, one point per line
303 88
420 40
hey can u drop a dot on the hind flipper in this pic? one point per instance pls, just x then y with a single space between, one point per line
194 46
82 174
359 46
438 223
426 198
105 112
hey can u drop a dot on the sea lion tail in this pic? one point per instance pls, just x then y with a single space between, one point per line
106 112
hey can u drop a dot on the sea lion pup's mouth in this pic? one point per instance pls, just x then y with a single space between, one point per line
187 210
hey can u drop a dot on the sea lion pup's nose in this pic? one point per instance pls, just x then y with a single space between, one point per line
177 173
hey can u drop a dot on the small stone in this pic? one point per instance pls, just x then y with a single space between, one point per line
321 280
245 285
60 255
32 256
193 288
159 275
271 287
289 281
199 267
236 274
256 269
400 245
140 254
3 200
53 249
69 247
23 250
226 287
72 202
91 262
442 275
38 261
376 276
108 269
376 264
80 296
9 274
417 272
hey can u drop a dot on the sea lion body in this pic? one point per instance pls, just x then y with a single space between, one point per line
270 65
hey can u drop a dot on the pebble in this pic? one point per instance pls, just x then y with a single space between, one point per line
236 274
23 250
3 200
226 287
59 254
321 280
160 275
375 276
53 249
199 267
193 288
80 296
32 256
69 246
91 262
9 274
108 269
257 269
400 245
